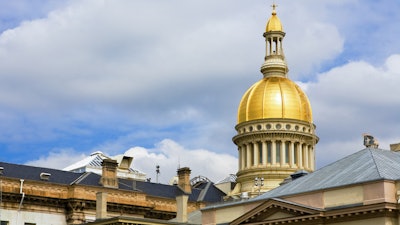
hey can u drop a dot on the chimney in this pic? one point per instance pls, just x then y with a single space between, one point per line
101 205
395 147
181 208
109 174
184 180
182 200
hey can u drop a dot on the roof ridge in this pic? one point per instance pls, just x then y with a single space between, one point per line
375 162
80 178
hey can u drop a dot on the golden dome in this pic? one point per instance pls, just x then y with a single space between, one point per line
274 24
274 98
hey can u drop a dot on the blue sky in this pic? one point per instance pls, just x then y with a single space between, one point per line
162 80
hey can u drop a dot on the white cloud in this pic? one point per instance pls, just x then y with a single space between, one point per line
168 154
178 69
353 99
311 45
57 159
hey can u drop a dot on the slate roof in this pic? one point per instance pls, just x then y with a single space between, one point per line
206 193
369 164
33 173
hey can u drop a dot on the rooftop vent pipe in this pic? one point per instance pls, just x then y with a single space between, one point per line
45 176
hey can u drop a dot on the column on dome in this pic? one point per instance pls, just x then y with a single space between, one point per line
283 152
243 156
279 46
248 153
291 161
305 153
255 153
296 154
240 158
273 162
312 158
300 155
264 153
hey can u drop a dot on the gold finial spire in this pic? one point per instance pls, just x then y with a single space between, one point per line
274 8
274 24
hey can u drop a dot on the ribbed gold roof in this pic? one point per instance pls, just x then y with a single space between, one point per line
274 24
274 98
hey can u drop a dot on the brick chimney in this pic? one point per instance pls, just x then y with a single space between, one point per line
109 175
182 200
184 180
101 205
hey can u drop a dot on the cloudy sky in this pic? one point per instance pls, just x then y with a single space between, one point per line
162 80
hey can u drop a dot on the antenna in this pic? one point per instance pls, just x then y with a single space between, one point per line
157 172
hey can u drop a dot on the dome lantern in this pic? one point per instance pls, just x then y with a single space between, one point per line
275 64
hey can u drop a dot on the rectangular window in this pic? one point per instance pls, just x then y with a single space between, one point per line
29 223
278 152
269 152
260 151
296 145
4 222
287 155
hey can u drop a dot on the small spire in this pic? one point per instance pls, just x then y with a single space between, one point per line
274 8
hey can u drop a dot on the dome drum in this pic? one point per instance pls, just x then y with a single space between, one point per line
269 128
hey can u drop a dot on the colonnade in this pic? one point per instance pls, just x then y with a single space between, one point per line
274 46
276 153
